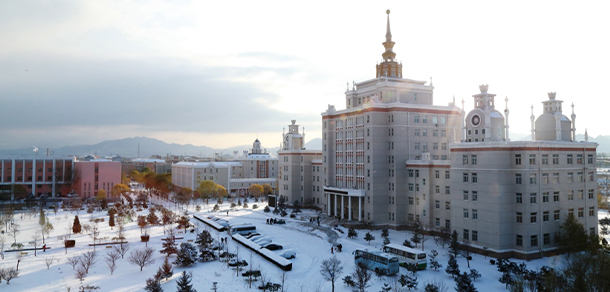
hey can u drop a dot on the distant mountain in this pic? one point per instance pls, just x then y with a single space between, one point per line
314 144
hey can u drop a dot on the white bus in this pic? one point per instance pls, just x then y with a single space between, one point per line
243 229
407 255
380 262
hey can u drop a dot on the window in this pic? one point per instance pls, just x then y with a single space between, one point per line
533 217
434 146
555 178
416 146
533 197
411 187
519 217
410 172
570 212
581 212
437 222
589 158
518 179
517 159
545 178
546 238
579 177
519 240
410 200
570 177
590 194
545 197
437 204
465 177
437 174
435 133
545 159
475 214
570 195
416 119
447 190
437 189
555 158
466 237
570 159
545 216
591 211
447 206
534 240
443 146
416 132
447 176
532 179
473 159
580 194
424 119
519 198
475 196
474 178
465 195
532 159
556 215
443 133
578 158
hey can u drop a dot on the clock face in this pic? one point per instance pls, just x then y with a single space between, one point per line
476 120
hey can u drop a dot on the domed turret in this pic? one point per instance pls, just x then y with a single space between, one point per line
256 147
484 123
552 125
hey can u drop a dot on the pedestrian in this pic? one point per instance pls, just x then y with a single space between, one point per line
44 248
267 220
227 212
332 250
226 240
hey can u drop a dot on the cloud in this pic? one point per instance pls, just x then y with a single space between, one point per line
54 92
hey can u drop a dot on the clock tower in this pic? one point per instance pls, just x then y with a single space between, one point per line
484 122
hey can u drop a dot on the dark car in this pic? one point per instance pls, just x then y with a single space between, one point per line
272 246
283 213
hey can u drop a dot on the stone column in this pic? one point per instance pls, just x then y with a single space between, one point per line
349 208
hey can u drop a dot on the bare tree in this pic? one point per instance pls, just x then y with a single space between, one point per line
331 269
69 229
14 231
111 260
362 276
95 233
73 261
122 249
283 277
87 260
80 274
9 274
49 261
141 257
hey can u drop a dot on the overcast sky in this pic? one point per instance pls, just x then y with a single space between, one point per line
219 73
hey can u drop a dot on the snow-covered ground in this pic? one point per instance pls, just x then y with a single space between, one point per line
311 243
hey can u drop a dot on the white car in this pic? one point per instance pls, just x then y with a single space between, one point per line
289 254
263 242
260 238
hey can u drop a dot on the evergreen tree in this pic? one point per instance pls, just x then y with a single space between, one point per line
454 245
169 245
369 237
386 288
431 288
351 233
111 220
41 219
433 262
165 270
452 266
463 283
76 225
386 241
184 283
385 232
187 255
153 285
573 235
409 282
204 239
474 274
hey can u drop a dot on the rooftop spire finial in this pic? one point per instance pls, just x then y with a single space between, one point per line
388 55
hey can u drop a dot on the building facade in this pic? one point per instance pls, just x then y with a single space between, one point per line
254 167
297 169
39 175
95 175
388 120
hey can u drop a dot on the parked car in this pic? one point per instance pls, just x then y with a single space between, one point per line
292 215
264 241
281 221
235 263
257 239
255 206
272 246
267 209
288 254
252 235
283 213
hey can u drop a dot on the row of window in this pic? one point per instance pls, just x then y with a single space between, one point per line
424 133
349 122
556 215
556 195
554 159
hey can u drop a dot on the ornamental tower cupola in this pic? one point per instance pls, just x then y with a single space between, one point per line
293 140
552 125
389 67
484 123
